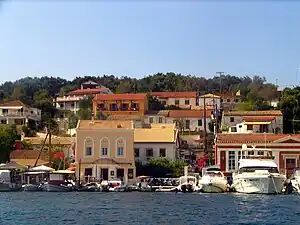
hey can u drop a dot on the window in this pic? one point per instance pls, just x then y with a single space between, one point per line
100 106
125 106
232 119
136 152
113 107
187 102
61 105
120 151
149 152
233 129
135 106
88 143
251 152
104 151
150 119
72 105
231 160
228 99
130 173
162 152
236 100
260 153
163 102
249 127
88 151
160 120
176 102
199 123
187 124
104 147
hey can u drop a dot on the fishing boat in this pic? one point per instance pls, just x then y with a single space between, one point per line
58 182
258 174
10 179
213 180
187 184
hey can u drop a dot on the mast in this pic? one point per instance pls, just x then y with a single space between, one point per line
50 150
204 121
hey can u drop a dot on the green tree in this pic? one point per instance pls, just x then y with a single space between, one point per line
85 111
8 136
73 119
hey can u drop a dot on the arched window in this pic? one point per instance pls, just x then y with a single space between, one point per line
120 151
88 146
104 147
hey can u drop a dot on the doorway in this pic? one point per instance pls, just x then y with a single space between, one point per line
120 173
104 173
290 165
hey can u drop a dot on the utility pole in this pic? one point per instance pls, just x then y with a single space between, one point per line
220 75
204 127
50 150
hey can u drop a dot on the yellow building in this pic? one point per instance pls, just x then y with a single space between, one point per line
104 149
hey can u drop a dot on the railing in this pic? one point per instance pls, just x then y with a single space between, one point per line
12 114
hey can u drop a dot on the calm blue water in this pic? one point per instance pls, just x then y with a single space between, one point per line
147 208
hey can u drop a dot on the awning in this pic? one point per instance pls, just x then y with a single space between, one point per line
256 123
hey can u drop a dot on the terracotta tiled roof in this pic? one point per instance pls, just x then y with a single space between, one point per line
175 94
254 113
55 140
28 154
259 118
251 138
120 97
30 162
104 124
160 133
15 103
188 113
89 91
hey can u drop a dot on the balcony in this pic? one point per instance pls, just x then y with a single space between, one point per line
12 114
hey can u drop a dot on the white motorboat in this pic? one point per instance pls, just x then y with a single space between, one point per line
187 184
259 175
213 180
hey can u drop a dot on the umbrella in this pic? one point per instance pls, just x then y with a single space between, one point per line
42 168
12 165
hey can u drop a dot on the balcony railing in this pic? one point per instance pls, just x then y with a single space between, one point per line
16 114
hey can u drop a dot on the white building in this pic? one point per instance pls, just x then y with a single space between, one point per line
210 100
16 112
179 99
270 121
158 141
190 120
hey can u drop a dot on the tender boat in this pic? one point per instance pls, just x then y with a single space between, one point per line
213 180
258 174
187 184
89 187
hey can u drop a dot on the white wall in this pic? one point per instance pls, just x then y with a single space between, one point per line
170 150
210 101
192 101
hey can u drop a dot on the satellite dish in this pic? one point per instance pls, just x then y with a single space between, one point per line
244 147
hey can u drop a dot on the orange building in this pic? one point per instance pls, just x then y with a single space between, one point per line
121 104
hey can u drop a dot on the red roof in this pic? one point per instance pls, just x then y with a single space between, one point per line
254 113
88 91
175 94
188 113
259 118
28 154
252 138
15 103
120 97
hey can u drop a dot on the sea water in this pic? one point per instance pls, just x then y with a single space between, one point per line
147 208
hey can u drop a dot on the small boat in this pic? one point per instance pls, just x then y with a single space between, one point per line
89 187
213 180
295 180
187 184
166 189
32 187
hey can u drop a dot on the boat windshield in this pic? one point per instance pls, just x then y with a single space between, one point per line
214 174
254 168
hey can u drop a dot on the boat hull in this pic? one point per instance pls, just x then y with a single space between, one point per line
32 187
259 185
9 187
213 187
56 188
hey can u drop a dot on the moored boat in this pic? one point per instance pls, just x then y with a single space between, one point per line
213 180
258 174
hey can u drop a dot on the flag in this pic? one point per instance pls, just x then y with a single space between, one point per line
238 93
